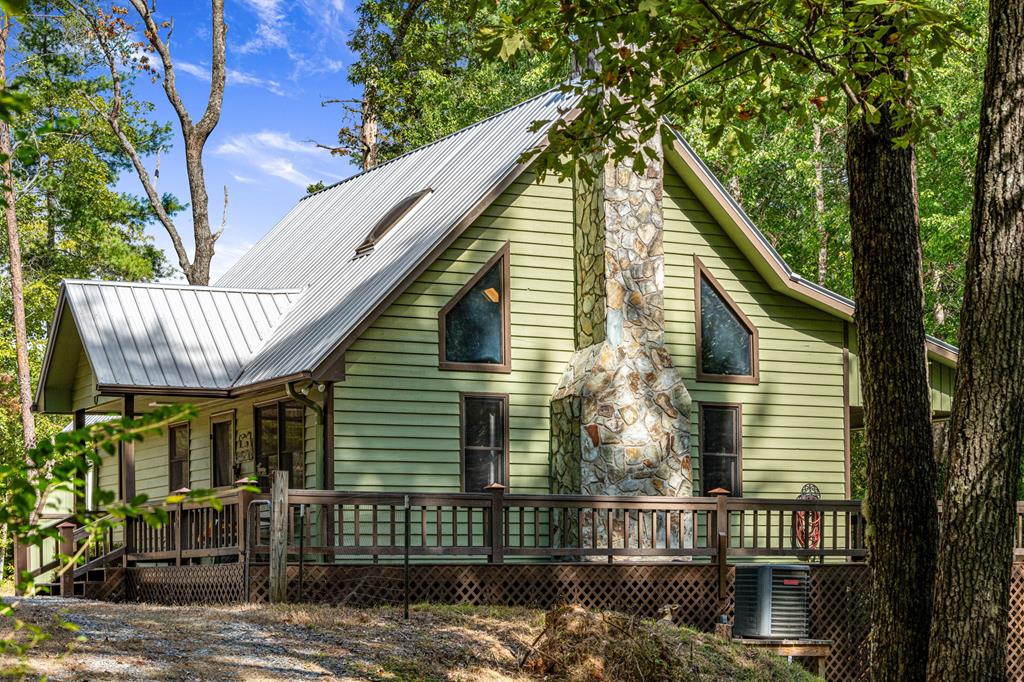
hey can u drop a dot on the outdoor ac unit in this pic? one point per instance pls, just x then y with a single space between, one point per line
772 601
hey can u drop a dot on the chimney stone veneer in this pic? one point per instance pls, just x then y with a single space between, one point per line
620 414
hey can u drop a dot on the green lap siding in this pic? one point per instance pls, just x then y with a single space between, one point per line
397 415
793 419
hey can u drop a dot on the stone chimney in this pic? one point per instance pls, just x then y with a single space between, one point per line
620 415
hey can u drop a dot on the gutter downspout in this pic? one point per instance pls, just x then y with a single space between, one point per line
319 438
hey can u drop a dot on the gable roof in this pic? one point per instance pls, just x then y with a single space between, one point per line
163 336
304 295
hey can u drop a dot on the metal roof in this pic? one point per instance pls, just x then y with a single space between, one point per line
161 335
301 293
315 243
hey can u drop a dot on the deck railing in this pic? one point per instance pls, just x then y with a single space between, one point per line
193 530
334 527
500 527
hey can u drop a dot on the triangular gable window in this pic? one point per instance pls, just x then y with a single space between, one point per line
474 327
726 339
390 219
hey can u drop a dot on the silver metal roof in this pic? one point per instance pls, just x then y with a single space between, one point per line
314 244
291 300
161 335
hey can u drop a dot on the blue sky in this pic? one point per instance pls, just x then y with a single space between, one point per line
283 59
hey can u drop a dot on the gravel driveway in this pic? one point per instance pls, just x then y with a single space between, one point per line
257 642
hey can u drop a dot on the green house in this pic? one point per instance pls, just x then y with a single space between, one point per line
448 320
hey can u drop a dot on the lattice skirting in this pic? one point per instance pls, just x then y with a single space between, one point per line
691 591
205 584
840 611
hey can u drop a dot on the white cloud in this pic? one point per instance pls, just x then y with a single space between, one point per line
226 253
307 41
233 77
276 154
244 179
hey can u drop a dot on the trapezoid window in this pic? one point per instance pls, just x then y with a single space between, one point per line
726 338
390 219
474 326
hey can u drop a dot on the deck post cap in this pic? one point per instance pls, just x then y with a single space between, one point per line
494 486
719 491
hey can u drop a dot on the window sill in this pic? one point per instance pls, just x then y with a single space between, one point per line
474 367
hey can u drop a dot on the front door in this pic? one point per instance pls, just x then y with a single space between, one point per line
223 471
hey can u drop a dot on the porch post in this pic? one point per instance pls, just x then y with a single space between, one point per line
722 539
279 537
67 548
497 491
78 422
128 454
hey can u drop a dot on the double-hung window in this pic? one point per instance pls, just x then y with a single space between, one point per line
484 441
178 451
721 443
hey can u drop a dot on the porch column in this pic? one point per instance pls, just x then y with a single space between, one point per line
128 454
78 422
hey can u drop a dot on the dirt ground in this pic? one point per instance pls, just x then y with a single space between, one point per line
259 642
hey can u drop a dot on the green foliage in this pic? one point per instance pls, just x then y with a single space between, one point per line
422 78
72 221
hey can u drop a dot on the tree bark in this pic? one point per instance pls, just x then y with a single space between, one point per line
985 431
819 206
369 126
28 424
900 505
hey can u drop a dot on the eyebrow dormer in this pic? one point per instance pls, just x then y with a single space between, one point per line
390 219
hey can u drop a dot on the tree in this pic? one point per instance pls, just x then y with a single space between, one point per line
421 78
986 426
113 35
28 425
866 61
70 220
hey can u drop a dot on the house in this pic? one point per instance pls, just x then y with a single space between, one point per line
448 320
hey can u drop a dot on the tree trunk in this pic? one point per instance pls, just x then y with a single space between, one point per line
900 505
28 424
369 127
198 273
985 430
819 207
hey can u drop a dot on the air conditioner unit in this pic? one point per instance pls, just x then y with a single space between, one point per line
772 601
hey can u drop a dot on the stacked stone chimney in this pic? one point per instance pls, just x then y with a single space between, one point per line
620 415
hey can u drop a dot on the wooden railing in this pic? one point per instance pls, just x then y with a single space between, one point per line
193 530
336 525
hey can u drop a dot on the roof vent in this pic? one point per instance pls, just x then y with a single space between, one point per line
390 219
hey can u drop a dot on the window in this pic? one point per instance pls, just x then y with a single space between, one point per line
390 219
721 440
178 456
484 419
221 451
726 339
280 442
474 326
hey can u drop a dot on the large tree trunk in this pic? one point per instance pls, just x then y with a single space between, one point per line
369 126
900 503
985 429
28 424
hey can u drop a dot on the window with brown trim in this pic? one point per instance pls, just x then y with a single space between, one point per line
177 460
727 340
721 448
483 421
222 460
390 219
474 328
280 442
